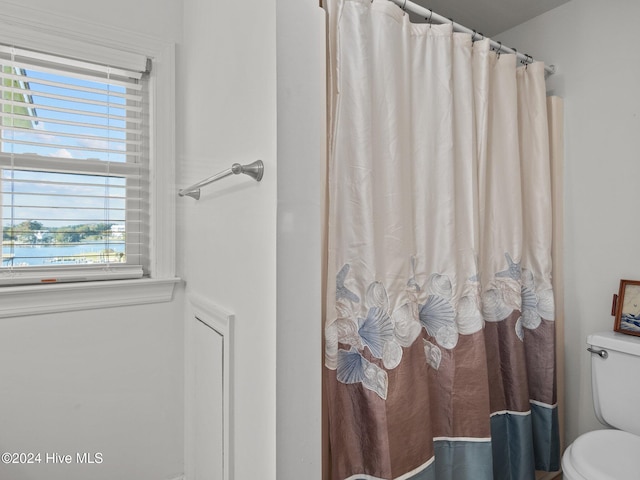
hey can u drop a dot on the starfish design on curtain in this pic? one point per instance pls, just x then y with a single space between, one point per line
341 290
514 271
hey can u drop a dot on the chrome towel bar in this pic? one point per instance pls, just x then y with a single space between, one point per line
255 170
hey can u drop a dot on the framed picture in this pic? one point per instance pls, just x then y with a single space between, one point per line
628 308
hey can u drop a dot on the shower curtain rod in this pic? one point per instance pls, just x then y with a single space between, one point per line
431 16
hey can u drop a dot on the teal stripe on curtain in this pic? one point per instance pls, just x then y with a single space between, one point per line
456 460
546 437
513 453
463 460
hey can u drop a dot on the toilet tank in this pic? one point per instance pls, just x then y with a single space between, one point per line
615 380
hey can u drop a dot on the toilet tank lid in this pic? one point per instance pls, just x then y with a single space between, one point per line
615 341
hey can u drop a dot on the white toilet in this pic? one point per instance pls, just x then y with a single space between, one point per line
615 383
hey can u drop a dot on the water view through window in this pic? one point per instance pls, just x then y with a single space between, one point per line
62 203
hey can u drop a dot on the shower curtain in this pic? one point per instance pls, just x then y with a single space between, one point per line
439 333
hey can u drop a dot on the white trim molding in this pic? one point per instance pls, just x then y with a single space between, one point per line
68 297
222 322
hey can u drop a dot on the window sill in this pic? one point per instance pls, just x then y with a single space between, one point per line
66 297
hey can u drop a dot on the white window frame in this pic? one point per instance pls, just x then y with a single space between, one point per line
43 31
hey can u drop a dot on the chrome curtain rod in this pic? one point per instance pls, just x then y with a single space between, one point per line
255 170
431 16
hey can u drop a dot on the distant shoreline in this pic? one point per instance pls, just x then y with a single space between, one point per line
62 244
29 254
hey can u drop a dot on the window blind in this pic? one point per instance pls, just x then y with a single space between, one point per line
74 170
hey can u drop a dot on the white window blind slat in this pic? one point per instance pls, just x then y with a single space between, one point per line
24 183
73 181
72 111
75 92
47 195
85 125
69 146
78 136
65 271
76 100
87 166
70 86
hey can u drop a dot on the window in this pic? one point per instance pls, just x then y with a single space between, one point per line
129 170
73 170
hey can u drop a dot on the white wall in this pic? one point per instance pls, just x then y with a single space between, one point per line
301 144
158 18
249 90
226 96
108 381
593 45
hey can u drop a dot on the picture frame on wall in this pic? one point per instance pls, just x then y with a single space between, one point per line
627 311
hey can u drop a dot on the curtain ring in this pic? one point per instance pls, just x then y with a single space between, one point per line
473 37
404 6
527 57
499 49
430 17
